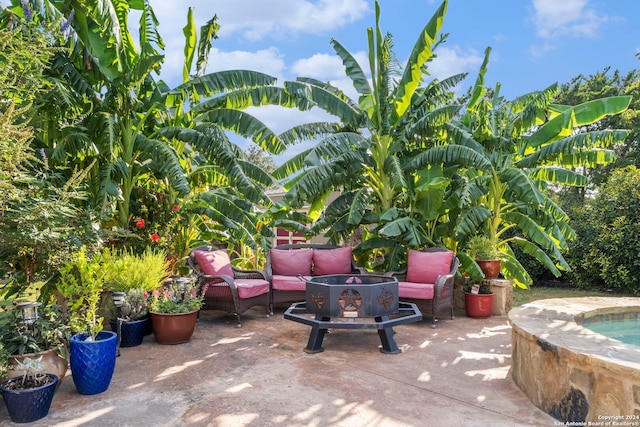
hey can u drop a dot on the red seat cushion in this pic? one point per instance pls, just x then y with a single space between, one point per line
288 283
248 288
291 262
415 290
214 263
425 267
331 261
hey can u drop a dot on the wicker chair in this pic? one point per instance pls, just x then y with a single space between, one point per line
295 295
227 288
431 291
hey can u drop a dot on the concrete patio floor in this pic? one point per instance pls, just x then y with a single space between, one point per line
258 375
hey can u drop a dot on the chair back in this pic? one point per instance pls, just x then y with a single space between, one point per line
211 261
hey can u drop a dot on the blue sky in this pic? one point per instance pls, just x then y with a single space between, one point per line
534 42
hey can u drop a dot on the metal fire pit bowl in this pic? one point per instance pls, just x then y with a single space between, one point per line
350 296
344 301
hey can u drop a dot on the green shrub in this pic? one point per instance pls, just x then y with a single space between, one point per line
605 254
126 270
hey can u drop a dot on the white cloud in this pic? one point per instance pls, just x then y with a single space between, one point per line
454 60
269 61
254 20
567 17
321 66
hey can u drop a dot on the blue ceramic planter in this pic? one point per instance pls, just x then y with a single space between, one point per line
92 362
132 332
25 406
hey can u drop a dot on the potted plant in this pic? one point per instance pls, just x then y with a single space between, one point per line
486 255
174 308
28 397
133 315
125 270
92 351
133 274
46 335
478 298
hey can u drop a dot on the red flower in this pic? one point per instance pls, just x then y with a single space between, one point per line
155 237
140 223
175 208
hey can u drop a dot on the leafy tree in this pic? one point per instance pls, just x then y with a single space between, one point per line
39 222
600 85
142 134
606 255
362 155
510 155
260 158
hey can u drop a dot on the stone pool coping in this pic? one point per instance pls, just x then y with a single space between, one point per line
558 362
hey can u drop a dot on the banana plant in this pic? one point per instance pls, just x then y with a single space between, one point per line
511 155
362 153
141 132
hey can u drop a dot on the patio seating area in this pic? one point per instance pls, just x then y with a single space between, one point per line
259 375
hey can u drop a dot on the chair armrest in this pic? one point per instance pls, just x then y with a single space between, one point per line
401 275
249 274
208 278
444 284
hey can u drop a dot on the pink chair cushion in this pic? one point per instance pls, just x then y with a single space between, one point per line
214 263
331 261
288 283
415 290
248 288
425 267
291 262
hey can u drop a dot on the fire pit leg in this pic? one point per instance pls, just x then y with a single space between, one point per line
389 345
314 345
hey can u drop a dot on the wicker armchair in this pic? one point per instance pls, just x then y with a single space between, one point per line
226 287
427 281
294 289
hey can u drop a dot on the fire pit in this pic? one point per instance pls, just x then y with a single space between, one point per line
344 301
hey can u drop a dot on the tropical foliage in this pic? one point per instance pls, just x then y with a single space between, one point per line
115 156
364 154
606 257
412 170
40 222
511 155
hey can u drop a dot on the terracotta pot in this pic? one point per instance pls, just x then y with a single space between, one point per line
490 267
478 305
53 364
173 328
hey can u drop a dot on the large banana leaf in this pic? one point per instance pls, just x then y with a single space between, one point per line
219 82
330 99
559 176
421 53
190 42
586 113
550 153
352 68
245 125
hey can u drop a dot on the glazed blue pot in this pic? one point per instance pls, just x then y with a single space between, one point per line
92 362
132 332
28 405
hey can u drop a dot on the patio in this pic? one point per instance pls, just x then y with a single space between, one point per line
454 375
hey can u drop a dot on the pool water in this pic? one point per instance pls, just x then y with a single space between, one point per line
627 331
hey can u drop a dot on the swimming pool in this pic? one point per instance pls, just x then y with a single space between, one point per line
570 371
625 330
